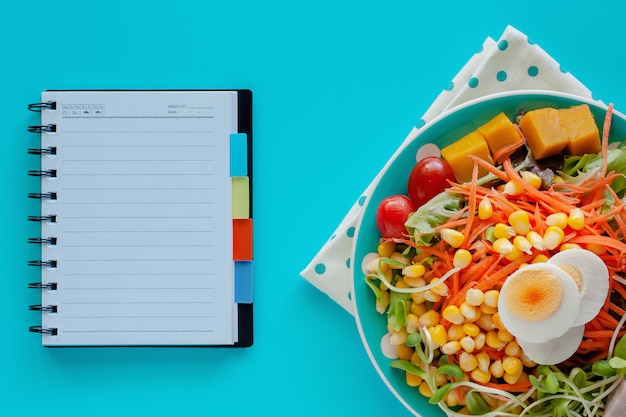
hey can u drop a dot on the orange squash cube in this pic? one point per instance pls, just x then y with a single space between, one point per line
581 130
457 155
544 134
499 132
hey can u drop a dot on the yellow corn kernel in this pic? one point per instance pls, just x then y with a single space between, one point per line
429 318
512 378
535 240
485 209
402 284
439 334
557 219
491 298
532 179
425 390
505 336
503 231
456 332
415 282
398 337
416 360
502 246
412 323
522 243
483 361
432 296
520 222
597 249
513 349
414 271
552 237
404 351
441 379
470 313
496 369
540 258
452 314
451 347
468 344
480 376
400 258
418 308
558 180
497 321
418 297
386 248
471 329
493 341
566 246
467 361
413 380
479 340
462 258
485 322
381 305
576 219
452 237
514 255
474 297
513 188
485 309
452 398
511 364
527 362
441 289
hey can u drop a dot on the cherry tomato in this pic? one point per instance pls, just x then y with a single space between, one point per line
391 215
428 178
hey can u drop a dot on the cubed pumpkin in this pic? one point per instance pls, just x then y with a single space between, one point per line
544 135
581 130
499 132
457 155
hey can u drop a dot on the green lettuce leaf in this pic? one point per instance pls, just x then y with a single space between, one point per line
435 212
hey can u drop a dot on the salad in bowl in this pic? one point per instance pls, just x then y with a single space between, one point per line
489 263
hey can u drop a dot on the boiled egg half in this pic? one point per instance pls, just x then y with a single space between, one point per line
546 305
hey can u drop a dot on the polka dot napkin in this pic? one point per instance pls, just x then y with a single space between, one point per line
514 62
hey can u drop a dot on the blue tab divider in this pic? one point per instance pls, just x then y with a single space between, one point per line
243 282
238 155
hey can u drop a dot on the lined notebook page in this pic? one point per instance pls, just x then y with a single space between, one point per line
144 218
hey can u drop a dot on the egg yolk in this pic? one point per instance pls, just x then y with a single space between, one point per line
533 295
573 272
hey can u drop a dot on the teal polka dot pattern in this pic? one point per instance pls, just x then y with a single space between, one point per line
533 71
350 232
473 82
362 200
320 269
450 86
501 76
420 123
562 69
348 263
503 44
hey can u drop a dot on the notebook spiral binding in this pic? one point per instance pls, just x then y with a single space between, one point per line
46 309
50 218
37 107
51 331
50 286
52 241
42 128
51 150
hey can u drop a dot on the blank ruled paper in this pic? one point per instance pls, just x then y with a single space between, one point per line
144 218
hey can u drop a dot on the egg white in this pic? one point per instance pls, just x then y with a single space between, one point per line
595 280
551 327
554 350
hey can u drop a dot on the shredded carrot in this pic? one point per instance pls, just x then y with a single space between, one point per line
506 151
522 386
489 167
606 129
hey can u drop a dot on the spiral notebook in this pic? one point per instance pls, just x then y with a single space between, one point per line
146 218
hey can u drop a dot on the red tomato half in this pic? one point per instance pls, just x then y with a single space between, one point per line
391 215
428 178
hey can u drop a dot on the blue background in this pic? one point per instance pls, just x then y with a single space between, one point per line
337 86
